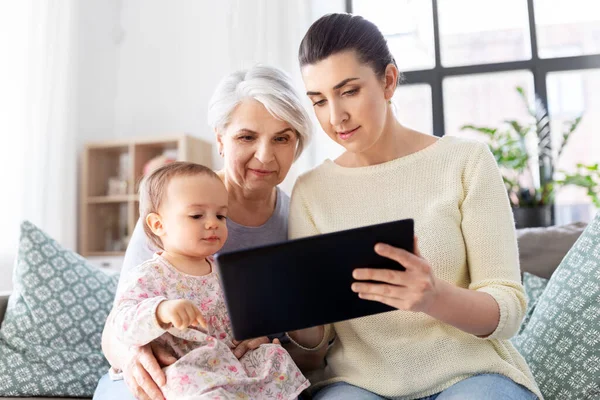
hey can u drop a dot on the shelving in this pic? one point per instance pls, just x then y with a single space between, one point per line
109 182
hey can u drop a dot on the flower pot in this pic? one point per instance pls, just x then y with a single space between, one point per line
531 217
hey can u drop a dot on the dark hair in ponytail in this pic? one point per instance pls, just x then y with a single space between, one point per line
334 33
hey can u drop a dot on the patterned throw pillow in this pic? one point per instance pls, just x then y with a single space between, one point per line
534 287
561 343
50 336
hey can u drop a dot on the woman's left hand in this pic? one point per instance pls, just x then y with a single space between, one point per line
412 290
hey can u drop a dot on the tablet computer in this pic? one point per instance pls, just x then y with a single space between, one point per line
305 282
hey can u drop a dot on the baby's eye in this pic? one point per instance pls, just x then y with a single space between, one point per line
221 217
197 216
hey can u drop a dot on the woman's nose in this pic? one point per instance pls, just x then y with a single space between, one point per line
337 116
264 153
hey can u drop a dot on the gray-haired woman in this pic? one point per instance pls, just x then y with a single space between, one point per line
261 127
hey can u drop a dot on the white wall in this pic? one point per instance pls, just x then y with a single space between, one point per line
148 67
171 55
93 79
97 25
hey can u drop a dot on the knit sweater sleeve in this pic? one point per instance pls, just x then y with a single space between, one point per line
301 222
490 239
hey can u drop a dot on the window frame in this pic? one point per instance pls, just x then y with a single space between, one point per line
539 67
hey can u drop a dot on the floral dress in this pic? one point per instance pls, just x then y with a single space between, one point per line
206 366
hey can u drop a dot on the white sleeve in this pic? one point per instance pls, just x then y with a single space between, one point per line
138 251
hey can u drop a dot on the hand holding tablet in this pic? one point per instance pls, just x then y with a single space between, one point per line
306 282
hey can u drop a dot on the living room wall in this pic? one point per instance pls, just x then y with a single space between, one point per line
144 68
149 68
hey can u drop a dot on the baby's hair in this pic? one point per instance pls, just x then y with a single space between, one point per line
153 186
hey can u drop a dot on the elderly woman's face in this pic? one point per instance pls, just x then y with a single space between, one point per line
258 149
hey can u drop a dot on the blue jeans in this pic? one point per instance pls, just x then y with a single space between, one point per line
486 386
108 389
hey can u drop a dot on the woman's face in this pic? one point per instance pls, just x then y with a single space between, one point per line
258 149
349 99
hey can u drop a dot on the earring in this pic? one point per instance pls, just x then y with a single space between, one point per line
390 101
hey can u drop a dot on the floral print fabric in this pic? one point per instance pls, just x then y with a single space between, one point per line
207 367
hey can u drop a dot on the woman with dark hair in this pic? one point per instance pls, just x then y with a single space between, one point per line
460 298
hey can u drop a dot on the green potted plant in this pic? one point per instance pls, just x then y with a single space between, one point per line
529 171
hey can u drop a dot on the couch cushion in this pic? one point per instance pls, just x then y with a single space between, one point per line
561 342
3 304
542 249
51 334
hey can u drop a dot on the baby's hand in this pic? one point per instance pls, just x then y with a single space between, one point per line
179 313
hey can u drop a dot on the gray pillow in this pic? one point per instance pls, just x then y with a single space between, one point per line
561 342
51 333
542 249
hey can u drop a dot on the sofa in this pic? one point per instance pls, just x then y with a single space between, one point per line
541 251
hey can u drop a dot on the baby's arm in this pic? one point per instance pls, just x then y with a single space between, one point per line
135 323
179 313
134 320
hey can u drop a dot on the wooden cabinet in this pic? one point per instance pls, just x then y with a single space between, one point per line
109 205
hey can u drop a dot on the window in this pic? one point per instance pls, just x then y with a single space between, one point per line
491 31
484 100
413 107
467 56
572 94
408 28
567 28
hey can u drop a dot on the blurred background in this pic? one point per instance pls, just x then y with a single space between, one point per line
92 92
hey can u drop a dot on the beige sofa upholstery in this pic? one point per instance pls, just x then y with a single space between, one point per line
541 251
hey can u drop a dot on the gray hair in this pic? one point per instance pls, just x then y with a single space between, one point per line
272 88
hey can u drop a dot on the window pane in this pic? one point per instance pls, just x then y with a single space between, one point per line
407 26
478 32
484 100
571 94
567 28
413 107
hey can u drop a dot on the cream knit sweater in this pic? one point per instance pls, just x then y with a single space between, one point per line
454 192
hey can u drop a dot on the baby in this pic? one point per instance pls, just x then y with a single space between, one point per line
176 299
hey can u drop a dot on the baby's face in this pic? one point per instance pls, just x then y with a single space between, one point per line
193 213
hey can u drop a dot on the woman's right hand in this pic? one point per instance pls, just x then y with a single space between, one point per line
143 372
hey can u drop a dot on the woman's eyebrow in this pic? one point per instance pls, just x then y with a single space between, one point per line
339 85
256 133
245 130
